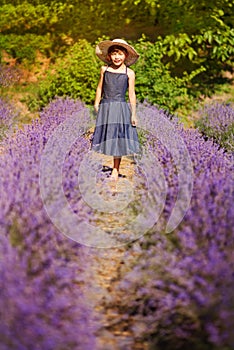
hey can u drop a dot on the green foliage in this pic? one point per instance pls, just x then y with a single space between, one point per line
195 35
184 16
192 32
190 44
209 52
27 27
154 81
76 75
24 47
207 45
64 22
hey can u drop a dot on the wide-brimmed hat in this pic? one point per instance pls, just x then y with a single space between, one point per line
103 47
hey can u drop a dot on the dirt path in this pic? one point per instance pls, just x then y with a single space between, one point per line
115 332
107 267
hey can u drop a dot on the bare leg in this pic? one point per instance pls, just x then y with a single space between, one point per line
117 161
115 171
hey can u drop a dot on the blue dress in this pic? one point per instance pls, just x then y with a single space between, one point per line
114 134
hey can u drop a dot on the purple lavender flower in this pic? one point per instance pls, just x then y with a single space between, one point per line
217 122
5 114
176 291
42 271
9 75
8 117
181 287
41 310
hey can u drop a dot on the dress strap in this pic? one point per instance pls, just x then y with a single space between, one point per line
126 69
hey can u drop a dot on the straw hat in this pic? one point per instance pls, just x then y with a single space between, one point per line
103 47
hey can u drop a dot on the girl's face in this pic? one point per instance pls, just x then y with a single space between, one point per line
117 57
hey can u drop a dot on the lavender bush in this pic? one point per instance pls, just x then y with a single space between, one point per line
41 310
179 294
7 118
9 75
217 122
42 303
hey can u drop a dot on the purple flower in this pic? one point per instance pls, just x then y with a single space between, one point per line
7 118
181 286
42 271
217 122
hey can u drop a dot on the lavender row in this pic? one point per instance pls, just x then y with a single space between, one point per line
42 302
179 294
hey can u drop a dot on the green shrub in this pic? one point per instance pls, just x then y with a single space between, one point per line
24 47
154 81
76 75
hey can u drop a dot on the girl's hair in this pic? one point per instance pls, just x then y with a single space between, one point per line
117 47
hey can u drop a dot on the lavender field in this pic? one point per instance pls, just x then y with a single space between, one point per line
164 290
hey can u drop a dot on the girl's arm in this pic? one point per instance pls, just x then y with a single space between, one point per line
99 89
132 95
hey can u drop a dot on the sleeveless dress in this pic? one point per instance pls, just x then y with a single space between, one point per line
114 134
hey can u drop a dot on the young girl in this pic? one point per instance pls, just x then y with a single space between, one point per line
115 132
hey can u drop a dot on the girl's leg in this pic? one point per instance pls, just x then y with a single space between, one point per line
115 171
117 161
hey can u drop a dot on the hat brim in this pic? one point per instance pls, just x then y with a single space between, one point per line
103 47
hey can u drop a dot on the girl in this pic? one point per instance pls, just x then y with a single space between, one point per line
115 132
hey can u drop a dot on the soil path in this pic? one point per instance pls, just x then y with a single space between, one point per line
108 265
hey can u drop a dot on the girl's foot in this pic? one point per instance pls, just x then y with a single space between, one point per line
114 174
